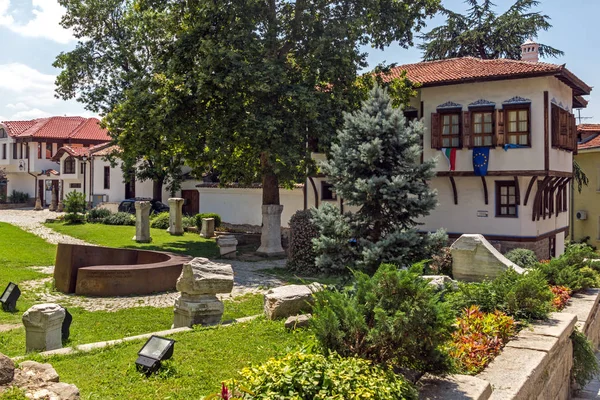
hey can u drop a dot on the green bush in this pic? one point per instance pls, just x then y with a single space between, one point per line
18 197
97 215
524 258
585 365
385 319
313 376
74 218
301 254
74 202
120 218
188 221
198 219
526 296
160 221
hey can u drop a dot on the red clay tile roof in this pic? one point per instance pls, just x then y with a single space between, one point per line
58 128
588 128
590 144
470 69
104 150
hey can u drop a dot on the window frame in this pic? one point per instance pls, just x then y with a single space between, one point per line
72 164
107 177
4 151
48 151
498 198
326 188
450 112
482 110
507 108
3 133
15 155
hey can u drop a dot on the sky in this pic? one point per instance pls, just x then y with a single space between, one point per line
31 38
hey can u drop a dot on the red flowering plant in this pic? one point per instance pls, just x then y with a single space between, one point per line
479 337
562 294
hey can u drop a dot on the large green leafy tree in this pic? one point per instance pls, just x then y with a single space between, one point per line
482 33
121 47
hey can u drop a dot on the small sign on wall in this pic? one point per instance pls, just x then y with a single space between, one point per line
482 213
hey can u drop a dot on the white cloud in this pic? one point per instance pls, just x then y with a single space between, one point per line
18 106
45 22
29 114
21 78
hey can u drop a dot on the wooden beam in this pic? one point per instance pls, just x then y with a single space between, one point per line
531 182
538 198
485 191
507 173
454 190
546 132
517 191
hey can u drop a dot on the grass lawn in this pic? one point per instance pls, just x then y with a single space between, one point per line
19 250
202 359
191 244
97 326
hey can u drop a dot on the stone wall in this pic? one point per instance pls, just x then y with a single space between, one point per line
536 365
10 206
541 248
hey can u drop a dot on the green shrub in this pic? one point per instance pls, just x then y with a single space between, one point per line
526 296
74 202
441 262
585 365
385 319
576 276
120 218
74 218
97 215
188 221
198 219
18 197
524 258
301 256
314 376
160 221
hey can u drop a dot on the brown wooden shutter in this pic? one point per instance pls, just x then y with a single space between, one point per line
574 133
436 131
499 138
466 130
555 126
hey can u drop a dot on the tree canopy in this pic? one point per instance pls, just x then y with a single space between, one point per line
482 33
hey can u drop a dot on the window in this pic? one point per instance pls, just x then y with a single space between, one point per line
483 127
4 151
14 151
2 133
563 129
517 126
327 192
506 199
451 130
48 151
27 151
69 165
75 185
82 168
39 151
106 177
410 115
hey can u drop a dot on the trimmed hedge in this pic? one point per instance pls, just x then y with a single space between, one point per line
97 215
198 219
120 218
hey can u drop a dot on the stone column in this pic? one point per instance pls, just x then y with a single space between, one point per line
199 282
227 246
43 325
270 239
175 220
54 200
142 222
208 227
61 207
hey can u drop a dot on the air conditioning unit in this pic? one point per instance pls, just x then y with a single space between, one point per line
581 215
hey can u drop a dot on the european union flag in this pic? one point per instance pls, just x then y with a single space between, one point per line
481 159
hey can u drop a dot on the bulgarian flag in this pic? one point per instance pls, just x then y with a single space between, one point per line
450 154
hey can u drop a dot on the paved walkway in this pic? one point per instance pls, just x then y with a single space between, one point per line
592 389
247 275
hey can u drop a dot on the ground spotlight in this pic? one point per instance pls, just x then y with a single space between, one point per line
9 297
154 351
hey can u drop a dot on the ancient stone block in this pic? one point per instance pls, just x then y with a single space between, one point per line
142 222
7 369
202 276
175 216
453 387
227 246
197 310
439 281
286 301
43 323
208 228
475 259
270 240
298 321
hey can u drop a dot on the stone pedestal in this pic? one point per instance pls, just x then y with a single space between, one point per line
142 222
175 216
60 207
227 246
53 202
43 323
199 282
208 227
270 240
38 205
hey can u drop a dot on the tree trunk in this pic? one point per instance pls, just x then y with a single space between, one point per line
270 183
157 186
270 240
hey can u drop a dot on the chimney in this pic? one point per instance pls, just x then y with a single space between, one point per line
530 51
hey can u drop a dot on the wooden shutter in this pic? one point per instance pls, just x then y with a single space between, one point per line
436 131
573 122
555 126
466 130
499 139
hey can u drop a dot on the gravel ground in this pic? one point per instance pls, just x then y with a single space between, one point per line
247 275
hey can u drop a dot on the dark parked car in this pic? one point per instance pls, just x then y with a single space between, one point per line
128 206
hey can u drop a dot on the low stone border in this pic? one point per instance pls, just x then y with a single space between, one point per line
535 365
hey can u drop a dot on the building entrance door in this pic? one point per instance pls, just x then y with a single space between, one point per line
191 206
